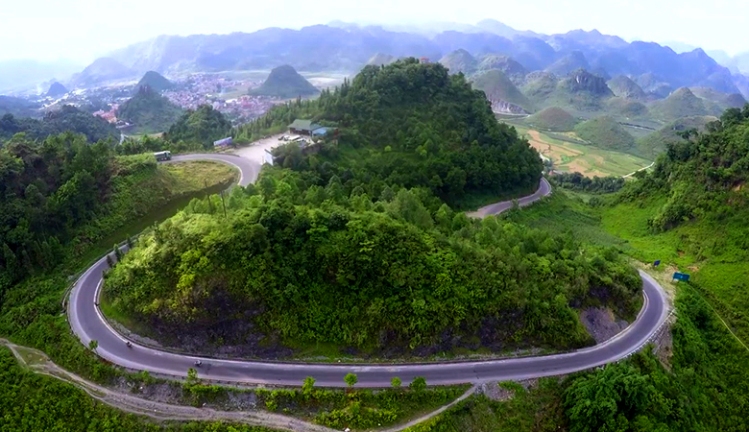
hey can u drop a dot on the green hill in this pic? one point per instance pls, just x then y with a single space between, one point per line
681 103
652 86
284 82
56 89
204 125
580 91
539 85
514 70
606 133
500 90
66 119
373 259
568 64
658 141
627 108
718 100
459 61
155 81
551 119
624 87
149 112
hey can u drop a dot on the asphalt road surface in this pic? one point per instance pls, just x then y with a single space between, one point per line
544 189
88 324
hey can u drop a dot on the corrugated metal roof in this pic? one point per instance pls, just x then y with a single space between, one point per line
301 124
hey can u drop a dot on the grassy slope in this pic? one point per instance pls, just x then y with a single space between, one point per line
553 119
700 248
31 311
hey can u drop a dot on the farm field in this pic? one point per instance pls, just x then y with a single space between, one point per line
571 156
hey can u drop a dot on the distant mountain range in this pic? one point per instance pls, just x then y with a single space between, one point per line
343 47
25 74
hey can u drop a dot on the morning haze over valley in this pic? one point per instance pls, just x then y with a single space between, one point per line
374 217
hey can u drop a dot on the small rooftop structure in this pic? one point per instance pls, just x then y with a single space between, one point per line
320 131
303 127
223 142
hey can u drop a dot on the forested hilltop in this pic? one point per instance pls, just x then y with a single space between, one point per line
413 124
66 119
357 246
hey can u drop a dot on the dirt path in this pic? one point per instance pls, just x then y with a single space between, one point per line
424 418
38 362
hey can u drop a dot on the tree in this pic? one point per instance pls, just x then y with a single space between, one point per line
308 385
395 382
192 377
117 252
350 379
110 261
93 344
419 384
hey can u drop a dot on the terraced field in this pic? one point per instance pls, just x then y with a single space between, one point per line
570 154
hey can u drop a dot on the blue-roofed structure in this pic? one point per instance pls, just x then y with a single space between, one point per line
320 131
222 142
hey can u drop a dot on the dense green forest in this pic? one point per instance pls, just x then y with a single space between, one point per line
66 119
578 182
413 125
63 202
47 191
314 264
204 126
357 245
149 112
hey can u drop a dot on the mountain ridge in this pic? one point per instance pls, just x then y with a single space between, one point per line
348 47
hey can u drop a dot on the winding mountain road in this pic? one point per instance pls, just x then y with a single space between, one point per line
88 323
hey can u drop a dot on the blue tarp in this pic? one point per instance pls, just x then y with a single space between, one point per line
320 131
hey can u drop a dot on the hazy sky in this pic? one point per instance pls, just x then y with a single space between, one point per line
84 29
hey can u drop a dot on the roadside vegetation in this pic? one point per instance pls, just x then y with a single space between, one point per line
335 408
596 185
703 385
33 402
